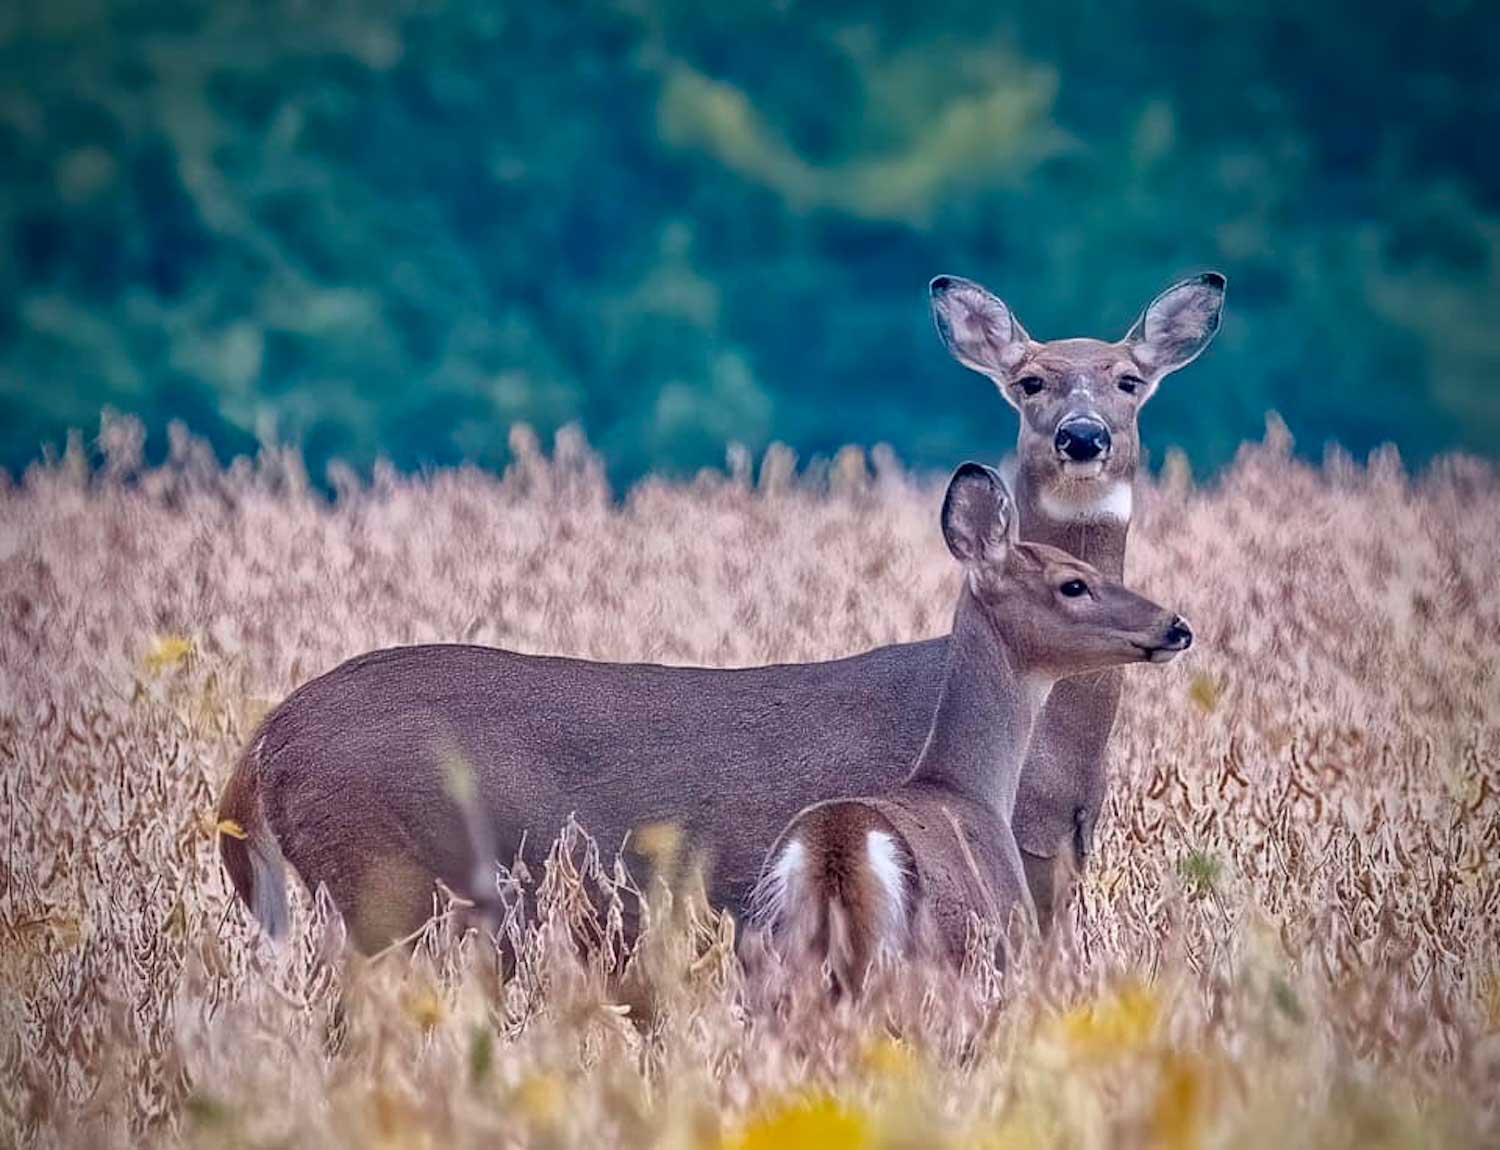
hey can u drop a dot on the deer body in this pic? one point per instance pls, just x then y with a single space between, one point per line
850 877
348 779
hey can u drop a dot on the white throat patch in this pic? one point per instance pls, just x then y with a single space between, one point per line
1088 503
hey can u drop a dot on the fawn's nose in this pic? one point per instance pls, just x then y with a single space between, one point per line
1179 636
1081 439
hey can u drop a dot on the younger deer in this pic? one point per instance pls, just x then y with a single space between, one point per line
849 877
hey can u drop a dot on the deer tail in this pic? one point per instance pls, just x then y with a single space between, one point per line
248 848
839 886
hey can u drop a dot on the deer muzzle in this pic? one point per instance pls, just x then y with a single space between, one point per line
1082 439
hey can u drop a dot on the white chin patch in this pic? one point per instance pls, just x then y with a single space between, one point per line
1088 502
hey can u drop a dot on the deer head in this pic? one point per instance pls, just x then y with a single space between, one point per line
1054 615
1078 398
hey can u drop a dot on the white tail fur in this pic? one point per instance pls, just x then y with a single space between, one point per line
894 877
773 894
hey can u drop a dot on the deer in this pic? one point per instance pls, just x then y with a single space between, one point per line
897 870
1077 455
350 781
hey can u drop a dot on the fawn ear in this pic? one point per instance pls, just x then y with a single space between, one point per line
979 520
1177 325
978 328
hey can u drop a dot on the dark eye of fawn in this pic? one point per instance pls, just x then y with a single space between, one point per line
1129 384
1032 385
1074 588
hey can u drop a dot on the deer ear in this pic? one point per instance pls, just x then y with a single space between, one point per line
978 328
978 516
1177 325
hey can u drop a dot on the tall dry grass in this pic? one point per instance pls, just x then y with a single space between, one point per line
1288 935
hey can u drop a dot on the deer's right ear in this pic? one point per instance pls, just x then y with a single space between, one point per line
978 517
978 328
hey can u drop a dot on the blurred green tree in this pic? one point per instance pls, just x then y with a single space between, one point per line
395 228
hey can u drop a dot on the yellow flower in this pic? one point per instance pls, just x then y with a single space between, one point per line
168 652
814 1122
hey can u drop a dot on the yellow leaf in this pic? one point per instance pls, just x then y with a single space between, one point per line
231 828
66 930
540 1098
1206 691
1178 1113
659 842
1020 1131
424 1007
1491 996
176 923
1124 1022
815 1122
167 652
889 1058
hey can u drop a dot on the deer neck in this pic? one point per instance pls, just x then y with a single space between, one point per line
986 709
1097 535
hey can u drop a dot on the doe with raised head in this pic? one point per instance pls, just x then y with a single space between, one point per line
1077 454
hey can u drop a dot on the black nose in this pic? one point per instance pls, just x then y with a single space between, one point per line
1179 636
1081 439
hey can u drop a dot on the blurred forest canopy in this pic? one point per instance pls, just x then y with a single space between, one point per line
396 228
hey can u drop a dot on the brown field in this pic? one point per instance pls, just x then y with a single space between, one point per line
1289 936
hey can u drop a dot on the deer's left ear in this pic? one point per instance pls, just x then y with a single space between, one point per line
979 520
1177 325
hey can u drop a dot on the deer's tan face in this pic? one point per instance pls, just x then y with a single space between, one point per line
1078 399
1056 615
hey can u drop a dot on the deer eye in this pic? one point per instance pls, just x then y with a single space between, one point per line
1130 385
1074 588
1032 385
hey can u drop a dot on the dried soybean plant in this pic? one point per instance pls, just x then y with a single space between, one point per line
1288 931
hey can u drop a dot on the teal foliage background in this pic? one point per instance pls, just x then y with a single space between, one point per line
396 229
